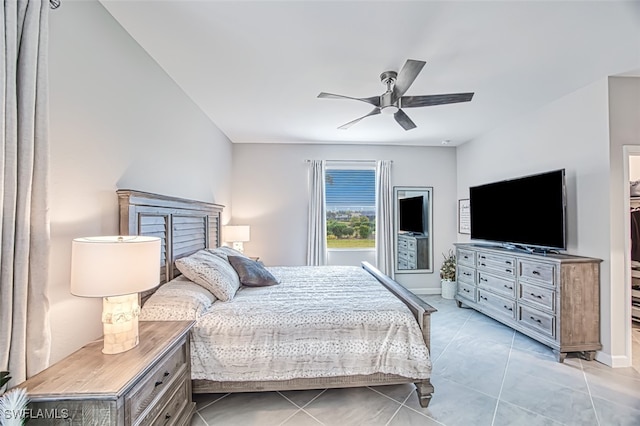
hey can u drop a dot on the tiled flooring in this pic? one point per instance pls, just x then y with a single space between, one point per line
484 374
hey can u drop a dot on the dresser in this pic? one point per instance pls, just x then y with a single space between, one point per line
552 298
147 385
413 251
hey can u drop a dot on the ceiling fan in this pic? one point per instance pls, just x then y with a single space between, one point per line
393 100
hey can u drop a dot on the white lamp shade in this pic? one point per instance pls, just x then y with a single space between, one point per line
113 266
237 233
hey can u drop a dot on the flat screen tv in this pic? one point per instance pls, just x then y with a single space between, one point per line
411 212
528 211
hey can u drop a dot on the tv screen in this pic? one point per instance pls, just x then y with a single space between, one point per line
411 213
528 211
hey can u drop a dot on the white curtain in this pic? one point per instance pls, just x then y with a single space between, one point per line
384 218
317 231
24 225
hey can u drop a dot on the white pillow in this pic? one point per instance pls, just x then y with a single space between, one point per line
177 300
211 272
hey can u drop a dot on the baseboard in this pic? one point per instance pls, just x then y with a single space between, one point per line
617 361
426 291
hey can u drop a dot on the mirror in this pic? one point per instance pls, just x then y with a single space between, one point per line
413 223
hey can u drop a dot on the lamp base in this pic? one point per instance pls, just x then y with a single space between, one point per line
237 245
120 323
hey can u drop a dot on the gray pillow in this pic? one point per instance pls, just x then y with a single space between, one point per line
251 273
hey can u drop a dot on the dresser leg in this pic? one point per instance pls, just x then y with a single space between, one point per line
560 356
459 303
425 392
589 355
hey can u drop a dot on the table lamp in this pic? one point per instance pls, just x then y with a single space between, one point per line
116 268
237 234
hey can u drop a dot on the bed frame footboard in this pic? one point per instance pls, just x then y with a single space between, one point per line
421 311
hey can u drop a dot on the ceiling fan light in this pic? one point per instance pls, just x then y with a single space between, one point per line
390 110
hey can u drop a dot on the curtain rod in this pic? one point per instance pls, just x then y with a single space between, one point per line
349 161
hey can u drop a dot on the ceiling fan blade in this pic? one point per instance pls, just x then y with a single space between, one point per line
404 120
429 100
351 123
406 77
374 100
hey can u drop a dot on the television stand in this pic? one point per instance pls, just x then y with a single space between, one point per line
552 298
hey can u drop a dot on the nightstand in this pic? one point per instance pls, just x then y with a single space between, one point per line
147 385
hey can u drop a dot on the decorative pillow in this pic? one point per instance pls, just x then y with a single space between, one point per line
211 272
177 300
224 252
252 273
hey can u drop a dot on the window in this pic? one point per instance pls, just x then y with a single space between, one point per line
350 192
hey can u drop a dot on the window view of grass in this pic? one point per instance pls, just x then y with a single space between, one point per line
350 202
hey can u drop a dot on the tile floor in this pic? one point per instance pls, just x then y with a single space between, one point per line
484 374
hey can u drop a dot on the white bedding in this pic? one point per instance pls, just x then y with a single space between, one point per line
318 322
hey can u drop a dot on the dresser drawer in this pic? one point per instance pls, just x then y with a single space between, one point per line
537 320
501 305
498 264
539 272
466 275
539 296
466 257
156 382
467 291
505 286
167 410
402 243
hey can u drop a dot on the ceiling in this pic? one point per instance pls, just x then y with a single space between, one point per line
256 67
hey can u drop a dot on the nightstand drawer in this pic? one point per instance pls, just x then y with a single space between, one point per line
156 382
166 411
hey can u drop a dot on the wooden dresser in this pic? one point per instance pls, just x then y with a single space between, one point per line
553 298
147 385
413 252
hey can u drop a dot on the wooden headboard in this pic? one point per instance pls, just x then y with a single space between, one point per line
183 226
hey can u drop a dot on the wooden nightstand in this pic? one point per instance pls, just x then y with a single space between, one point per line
147 385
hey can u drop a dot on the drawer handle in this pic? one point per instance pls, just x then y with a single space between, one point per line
465 256
508 262
483 264
484 279
509 270
508 308
159 382
537 296
535 272
483 298
467 290
539 321
167 416
508 286
467 274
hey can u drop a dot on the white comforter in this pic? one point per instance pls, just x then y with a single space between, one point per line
318 322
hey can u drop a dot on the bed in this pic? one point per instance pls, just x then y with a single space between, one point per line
304 298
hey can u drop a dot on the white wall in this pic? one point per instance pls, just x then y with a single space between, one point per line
117 121
570 133
270 194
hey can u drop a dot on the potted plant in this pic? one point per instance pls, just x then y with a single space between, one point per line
448 275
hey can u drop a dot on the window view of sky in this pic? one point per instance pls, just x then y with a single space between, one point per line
350 190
